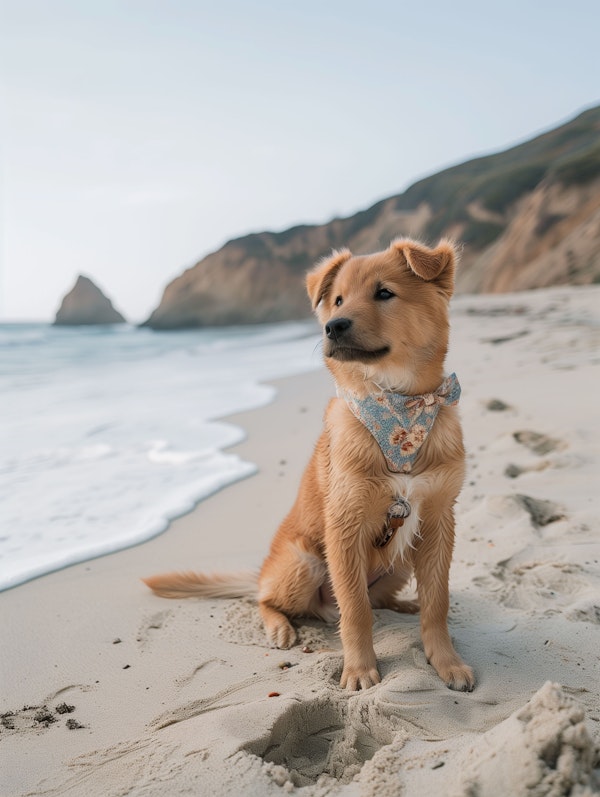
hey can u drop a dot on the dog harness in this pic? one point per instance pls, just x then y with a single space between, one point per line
399 423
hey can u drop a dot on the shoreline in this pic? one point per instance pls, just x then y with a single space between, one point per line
173 696
112 467
56 656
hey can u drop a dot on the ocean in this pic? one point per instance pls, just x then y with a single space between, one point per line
108 433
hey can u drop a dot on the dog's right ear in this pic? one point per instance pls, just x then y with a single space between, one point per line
320 279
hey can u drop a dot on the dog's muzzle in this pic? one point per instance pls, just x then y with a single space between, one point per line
342 343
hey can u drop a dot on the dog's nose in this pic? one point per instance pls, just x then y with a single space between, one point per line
336 327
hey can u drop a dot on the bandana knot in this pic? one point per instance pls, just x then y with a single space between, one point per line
400 424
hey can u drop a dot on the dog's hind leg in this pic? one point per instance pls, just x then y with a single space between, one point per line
383 593
289 587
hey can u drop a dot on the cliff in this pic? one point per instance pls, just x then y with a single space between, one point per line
527 217
86 304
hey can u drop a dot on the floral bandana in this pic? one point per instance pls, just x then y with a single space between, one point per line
400 424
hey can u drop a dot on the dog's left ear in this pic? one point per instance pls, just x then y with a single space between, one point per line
320 279
433 265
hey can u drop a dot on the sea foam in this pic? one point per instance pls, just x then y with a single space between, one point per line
110 433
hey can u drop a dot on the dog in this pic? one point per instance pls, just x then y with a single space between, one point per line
375 504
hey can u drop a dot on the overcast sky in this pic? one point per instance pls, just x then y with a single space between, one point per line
139 135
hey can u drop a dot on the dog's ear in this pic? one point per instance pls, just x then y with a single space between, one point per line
433 265
320 278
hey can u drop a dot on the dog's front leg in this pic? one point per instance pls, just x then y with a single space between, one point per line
431 559
347 565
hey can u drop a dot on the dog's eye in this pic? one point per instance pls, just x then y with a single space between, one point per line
383 294
338 301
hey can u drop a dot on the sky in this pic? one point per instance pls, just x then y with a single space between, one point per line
137 136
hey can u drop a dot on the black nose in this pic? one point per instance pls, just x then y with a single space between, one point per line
336 327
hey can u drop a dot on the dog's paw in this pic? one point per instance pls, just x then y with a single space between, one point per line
355 678
458 676
405 607
281 633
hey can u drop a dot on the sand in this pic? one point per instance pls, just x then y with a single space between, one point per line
108 690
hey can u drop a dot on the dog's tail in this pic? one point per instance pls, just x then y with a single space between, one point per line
200 585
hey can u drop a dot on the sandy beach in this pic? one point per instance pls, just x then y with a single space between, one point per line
107 690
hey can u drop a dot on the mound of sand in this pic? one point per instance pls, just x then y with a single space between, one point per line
542 750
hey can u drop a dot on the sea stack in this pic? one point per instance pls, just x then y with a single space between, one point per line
86 304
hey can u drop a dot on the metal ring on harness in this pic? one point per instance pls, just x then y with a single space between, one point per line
396 515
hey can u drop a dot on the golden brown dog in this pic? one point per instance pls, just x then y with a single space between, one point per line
361 527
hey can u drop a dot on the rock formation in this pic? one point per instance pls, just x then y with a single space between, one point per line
528 217
86 304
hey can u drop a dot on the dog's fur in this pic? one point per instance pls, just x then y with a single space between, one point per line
324 556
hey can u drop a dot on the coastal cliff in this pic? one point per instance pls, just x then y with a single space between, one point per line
527 217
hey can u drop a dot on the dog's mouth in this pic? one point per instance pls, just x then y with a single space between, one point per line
338 351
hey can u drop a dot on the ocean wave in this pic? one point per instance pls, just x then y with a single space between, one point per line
108 436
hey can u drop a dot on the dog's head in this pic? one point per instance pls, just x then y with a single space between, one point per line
385 316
